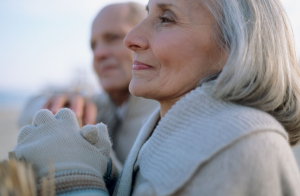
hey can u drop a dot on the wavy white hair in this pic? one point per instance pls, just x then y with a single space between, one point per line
262 69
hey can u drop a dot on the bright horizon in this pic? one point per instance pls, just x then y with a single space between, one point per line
45 43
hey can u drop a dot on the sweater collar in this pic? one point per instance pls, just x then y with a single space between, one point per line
195 129
125 181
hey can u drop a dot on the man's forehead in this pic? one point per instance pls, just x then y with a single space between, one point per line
110 21
109 26
113 13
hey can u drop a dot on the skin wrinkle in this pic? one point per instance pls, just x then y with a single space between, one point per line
177 74
179 50
163 7
195 5
179 68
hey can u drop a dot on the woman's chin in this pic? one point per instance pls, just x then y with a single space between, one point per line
138 88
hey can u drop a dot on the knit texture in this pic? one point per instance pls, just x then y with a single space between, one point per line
193 131
125 181
123 132
79 156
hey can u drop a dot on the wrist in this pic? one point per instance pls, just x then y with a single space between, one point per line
73 181
111 176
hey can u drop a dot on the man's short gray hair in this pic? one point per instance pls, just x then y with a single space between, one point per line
262 69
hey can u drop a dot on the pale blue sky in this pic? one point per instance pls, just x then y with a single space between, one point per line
45 42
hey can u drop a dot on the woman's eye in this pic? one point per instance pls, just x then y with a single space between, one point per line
165 20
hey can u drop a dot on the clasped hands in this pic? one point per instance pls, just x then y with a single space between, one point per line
59 140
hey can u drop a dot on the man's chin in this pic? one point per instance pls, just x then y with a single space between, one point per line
113 86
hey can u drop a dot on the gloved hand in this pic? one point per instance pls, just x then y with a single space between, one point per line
79 157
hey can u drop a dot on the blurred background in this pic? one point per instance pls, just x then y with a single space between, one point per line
45 45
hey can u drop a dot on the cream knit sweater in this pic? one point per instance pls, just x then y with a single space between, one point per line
204 146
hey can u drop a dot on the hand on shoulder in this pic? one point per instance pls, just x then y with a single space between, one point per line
84 108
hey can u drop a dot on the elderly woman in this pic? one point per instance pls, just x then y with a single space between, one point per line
226 76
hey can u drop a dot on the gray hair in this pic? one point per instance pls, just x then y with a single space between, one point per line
262 69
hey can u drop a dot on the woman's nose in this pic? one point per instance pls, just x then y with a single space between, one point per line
136 39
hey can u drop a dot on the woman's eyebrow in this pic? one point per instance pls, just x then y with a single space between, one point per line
162 6
165 5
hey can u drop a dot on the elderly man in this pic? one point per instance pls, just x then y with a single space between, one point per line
117 108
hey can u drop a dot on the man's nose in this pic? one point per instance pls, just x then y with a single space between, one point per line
101 52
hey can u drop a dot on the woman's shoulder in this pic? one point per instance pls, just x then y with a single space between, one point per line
199 110
258 148
263 161
200 103
196 130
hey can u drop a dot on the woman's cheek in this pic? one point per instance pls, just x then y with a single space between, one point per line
171 46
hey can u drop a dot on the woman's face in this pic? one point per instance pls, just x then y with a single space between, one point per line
173 49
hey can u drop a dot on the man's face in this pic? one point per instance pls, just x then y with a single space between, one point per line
112 60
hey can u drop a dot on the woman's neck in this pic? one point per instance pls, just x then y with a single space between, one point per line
166 105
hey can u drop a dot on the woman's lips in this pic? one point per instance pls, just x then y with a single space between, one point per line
140 66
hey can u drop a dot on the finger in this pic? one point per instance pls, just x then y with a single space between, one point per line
48 103
25 131
79 122
103 142
90 133
42 117
89 113
77 105
68 116
58 102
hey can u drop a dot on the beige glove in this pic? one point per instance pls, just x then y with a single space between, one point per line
79 156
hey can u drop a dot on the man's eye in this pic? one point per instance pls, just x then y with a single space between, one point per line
115 37
112 38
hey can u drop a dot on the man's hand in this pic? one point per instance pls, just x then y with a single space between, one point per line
84 108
